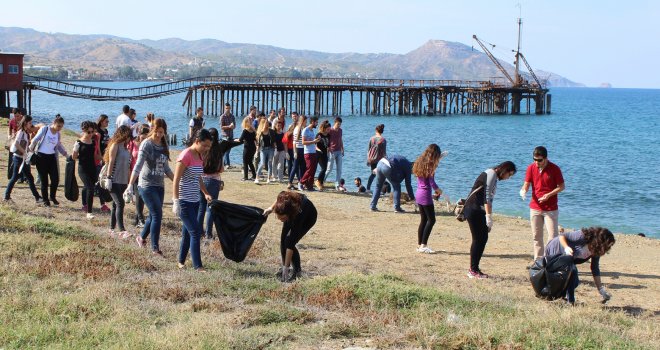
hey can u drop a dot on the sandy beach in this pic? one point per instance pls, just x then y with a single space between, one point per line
348 237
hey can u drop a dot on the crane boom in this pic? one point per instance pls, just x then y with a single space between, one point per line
492 58
531 71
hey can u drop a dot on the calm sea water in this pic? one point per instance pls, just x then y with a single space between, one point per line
604 140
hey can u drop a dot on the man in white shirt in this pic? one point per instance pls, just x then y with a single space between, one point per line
123 118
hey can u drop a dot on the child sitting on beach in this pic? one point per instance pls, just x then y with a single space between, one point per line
342 186
358 184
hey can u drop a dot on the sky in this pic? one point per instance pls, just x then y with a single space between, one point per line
589 42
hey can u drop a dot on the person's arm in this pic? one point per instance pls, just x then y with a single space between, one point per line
202 188
178 173
168 171
554 192
564 244
141 158
409 188
17 141
269 210
37 139
59 147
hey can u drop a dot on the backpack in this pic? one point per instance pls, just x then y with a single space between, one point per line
373 155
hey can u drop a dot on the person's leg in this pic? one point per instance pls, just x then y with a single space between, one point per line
289 162
396 194
97 188
27 174
201 211
477 222
139 207
262 160
430 222
285 232
422 224
226 161
268 163
380 180
293 168
245 163
157 219
323 164
339 159
88 192
372 176
42 168
329 164
572 284
536 219
120 204
302 166
295 235
551 220
213 188
54 174
190 234
14 176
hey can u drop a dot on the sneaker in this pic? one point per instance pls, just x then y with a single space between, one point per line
244 179
124 235
104 208
84 208
140 224
476 274
300 187
39 200
180 265
425 250
46 203
111 233
268 181
200 269
8 200
288 275
140 241
399 210
90 216
374 209
55 202
256 180
157 253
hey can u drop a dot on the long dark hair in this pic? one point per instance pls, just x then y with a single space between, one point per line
26 119
599 240
213 160
505 167
122 135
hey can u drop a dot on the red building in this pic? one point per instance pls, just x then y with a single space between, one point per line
11 71
11 81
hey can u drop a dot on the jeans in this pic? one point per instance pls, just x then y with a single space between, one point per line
372 176
298 167
48 169
139 206
278 164
383 171
153 197
538 218
226 155
338 158
322 161
213 188
266 158
89 181
15 175
117 212
190 234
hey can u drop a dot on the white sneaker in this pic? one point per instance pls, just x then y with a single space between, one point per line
90 216
268 181
256 180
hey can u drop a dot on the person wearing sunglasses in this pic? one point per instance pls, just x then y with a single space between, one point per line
547 181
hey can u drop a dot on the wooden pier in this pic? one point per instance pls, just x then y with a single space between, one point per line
322 96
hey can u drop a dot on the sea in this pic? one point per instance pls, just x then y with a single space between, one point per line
605 140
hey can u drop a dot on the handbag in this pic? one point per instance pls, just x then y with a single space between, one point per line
460 205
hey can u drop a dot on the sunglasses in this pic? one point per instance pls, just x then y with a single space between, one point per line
539 160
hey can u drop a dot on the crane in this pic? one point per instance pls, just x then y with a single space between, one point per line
531 71
497 63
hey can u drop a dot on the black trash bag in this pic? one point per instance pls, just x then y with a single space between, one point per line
102 193
550 276
71 190
237 226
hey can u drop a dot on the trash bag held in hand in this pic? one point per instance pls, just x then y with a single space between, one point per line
550 276
71 190
237 226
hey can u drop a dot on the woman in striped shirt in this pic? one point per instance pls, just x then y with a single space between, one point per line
185 201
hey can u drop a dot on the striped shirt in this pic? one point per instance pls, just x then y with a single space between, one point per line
189 184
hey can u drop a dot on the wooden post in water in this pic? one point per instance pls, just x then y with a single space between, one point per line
548 103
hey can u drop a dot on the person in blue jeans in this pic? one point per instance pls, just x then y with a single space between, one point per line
19 151
213 168
395 169
583 245
186 197
150 169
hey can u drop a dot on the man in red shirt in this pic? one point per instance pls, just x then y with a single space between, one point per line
547 181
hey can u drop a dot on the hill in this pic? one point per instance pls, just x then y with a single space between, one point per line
104 56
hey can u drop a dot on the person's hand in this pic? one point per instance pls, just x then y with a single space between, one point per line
176 207
489 221
523 194
107 183
374 171
604 294
568 251
544 198
128 194
287 156
208 198
267 211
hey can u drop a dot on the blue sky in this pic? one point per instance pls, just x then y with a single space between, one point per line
591 42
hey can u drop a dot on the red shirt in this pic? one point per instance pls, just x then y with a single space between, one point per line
288 140
543 182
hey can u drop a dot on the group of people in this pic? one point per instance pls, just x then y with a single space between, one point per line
137 161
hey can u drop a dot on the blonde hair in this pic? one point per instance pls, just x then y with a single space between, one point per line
247 124
263 126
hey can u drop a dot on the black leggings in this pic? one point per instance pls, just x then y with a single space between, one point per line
427 213
248 156
47 168
88 179
117 212
292 232
476 218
